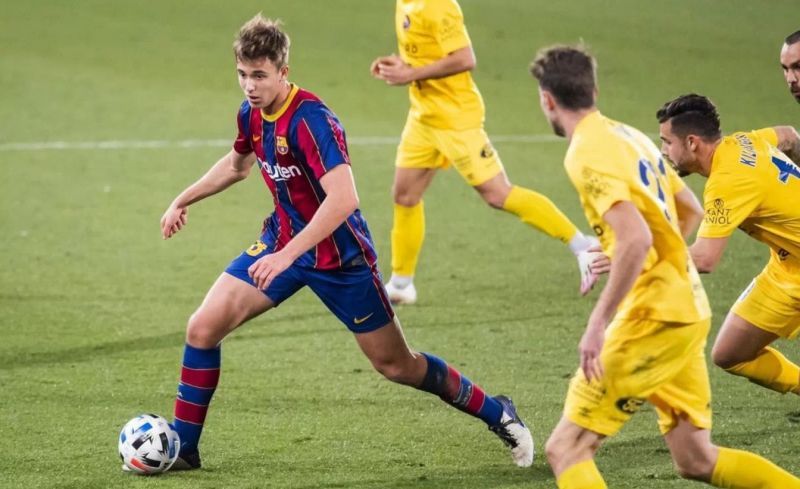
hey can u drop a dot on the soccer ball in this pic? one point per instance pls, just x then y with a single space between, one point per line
148 444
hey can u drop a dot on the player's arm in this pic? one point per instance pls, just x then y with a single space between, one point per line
231 168
633 242
788 142
394 71
690 211
340 201
707 252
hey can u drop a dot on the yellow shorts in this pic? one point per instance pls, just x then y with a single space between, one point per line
772 301
643 360
470 151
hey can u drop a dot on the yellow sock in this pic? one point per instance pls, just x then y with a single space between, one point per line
408 232
583 475
736 469
534 209
770 369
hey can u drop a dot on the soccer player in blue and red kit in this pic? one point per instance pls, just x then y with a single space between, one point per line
316 237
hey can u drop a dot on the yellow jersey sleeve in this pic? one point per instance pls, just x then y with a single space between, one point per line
448 25
730 196
768 134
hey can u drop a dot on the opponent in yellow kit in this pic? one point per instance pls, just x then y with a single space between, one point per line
445 127
645 338
752 185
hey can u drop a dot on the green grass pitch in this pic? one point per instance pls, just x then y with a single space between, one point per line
93 303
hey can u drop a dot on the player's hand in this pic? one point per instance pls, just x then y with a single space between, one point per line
373 68
585 260
590 347
601 263
173 220
266 268
394 71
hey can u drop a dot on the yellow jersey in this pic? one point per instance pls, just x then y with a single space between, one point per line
609 162
427 31
754 186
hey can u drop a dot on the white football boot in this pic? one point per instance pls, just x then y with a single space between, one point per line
514 433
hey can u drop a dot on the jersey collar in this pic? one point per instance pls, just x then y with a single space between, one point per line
274 117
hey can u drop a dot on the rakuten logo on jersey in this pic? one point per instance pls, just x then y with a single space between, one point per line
279 173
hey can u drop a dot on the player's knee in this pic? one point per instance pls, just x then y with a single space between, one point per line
563 451
494 199
725 358
199 333
406 199
392 370
695 468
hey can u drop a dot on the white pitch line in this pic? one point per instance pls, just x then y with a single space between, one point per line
222 143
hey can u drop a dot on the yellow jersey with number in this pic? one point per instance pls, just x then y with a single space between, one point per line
755 187
609 162
427 31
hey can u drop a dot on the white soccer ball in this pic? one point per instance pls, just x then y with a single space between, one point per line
148 444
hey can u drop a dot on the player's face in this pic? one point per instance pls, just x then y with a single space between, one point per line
674 149
790 62
261 81
547 103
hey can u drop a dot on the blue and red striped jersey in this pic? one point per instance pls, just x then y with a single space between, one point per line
295 147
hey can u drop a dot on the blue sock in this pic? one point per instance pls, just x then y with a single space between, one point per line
457 390
199 379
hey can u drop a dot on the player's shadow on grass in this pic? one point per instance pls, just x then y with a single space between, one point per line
475 477
172 340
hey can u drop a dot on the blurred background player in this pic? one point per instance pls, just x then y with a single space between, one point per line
645 337
752 185
790 62
444 127
316 236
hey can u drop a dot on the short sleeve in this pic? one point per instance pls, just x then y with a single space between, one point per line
729 198
768 134
448 21
600 190
243 145
321 140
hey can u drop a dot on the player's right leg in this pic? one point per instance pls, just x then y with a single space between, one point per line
570 452
415 166
766 311
229 303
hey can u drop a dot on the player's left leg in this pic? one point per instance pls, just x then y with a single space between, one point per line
766 311
743 349
356 296
478 163
387 350
697 458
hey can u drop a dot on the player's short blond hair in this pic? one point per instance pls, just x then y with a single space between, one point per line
261 38
569 73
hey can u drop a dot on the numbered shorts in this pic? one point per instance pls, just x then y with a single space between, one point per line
772 301
663 363
470 151
354 294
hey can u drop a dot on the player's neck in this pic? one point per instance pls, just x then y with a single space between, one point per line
280 99
571 119
705 157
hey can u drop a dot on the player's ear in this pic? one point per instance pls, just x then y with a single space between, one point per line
284 72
